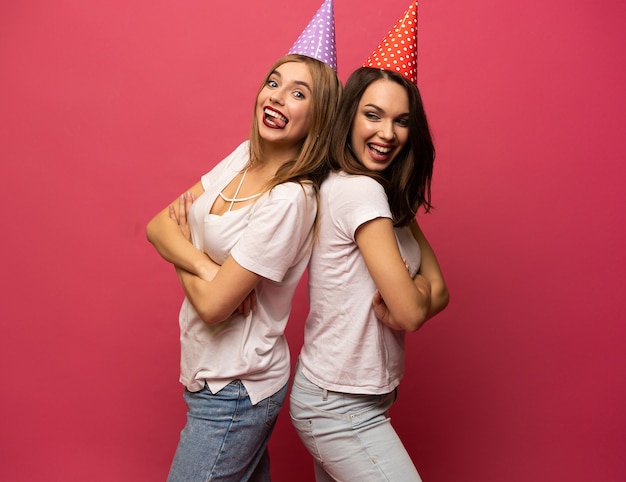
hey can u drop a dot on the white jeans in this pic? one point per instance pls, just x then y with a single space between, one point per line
349 436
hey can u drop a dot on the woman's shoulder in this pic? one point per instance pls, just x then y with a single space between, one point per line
297 191
239 157
229 166
342 182
289 202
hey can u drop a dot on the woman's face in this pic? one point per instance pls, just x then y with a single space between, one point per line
284 104
381 125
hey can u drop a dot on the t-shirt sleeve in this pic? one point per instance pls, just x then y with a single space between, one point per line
278 232
234 162
356 200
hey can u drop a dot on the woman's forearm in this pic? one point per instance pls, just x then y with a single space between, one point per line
170 242
404 302
430 270
217 299
438 296
197 291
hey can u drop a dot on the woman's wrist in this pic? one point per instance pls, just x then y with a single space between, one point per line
206 268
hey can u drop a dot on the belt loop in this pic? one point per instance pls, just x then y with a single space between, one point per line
324 394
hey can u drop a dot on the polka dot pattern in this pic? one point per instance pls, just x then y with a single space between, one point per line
318 38
398 50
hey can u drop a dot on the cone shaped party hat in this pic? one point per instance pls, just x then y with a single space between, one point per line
318 38
398 50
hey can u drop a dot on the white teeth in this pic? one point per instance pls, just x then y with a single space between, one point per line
274 114
382 150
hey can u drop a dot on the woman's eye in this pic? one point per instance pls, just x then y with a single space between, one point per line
298 94
272 83
371 116
403 122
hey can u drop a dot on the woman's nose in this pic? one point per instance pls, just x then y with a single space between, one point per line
277 96
387 130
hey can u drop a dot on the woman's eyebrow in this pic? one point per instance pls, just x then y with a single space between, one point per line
304 84
374 106
381 110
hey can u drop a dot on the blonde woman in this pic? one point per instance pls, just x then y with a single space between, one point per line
251 221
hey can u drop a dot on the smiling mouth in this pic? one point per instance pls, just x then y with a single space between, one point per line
380 153
274 119
381 150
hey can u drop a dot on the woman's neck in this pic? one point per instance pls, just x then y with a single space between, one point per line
275 155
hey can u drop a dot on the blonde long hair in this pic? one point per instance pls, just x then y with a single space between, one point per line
310 165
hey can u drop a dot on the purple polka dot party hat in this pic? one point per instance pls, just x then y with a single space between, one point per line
398 50
318 39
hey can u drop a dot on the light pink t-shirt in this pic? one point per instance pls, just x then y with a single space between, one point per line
346 349
271 238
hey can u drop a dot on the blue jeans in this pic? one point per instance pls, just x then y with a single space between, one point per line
349 436
225 438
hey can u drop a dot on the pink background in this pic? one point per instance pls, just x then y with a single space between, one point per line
109 109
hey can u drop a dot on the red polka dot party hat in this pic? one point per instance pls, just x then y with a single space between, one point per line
318 38
398 50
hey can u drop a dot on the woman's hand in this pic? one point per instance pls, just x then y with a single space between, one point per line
180 217
248 305
382 312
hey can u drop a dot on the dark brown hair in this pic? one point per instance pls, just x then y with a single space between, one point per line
407 179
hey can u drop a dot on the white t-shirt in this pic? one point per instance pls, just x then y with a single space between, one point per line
346 349
272 238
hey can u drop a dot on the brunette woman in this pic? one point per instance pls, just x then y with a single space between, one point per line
373 277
